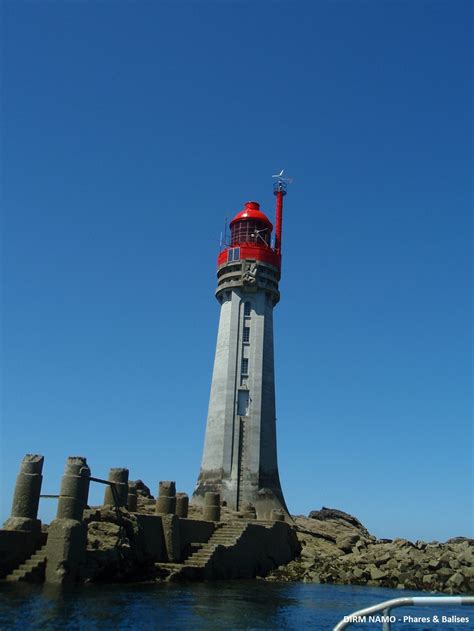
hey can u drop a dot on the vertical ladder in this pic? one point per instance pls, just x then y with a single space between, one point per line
240 489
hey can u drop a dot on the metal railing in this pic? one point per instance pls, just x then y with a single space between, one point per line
369 613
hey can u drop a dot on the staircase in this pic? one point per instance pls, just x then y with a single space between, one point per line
32 570
226 535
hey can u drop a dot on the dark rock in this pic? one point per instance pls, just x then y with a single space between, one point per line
338 515
460 540
141 488
347 542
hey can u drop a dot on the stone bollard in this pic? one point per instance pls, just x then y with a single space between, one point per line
182 504
248 511
132 498
27 494
211 509
166 502
277 515
74 489
120 478
67 534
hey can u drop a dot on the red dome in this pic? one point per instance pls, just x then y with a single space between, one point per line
252 211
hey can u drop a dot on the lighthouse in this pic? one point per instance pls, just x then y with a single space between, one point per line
240 452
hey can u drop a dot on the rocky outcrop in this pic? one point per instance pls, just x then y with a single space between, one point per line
337 548
141 488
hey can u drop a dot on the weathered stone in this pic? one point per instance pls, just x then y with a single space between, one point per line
468 572
65 550
347 542
166 502
67 534
277 515
376 574
118 494
132 499
27 494
392 564
142 489
211 510
74 489
172 538
456 580
338 515
182 505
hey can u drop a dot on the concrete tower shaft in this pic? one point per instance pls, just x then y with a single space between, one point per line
240 455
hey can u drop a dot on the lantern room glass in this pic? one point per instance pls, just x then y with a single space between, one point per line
250 231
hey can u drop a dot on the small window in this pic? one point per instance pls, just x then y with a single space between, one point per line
247 308
245 366
243 403
246 335
233 255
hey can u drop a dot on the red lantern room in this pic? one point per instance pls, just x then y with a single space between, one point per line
250 226
250 238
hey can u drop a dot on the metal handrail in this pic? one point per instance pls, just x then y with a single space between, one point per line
386 606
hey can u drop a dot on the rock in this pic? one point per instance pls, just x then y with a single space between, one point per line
456 580
403 543
468 572
347 542
141 488
434 564
461 540
429 579
338 515
376 574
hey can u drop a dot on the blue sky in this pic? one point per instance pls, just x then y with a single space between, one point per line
131 130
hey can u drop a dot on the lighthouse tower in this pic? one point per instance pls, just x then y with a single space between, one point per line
240 455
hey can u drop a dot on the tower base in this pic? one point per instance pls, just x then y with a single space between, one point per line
265 500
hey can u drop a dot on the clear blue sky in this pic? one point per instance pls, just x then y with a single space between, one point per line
130 130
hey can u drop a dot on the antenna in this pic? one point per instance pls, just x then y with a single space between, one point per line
225 232
280 179
279 189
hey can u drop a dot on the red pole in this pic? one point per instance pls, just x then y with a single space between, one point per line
279 219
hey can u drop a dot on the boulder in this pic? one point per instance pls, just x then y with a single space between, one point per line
347 542
141 488
338 515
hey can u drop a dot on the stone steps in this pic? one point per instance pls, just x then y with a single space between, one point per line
226 535
32 570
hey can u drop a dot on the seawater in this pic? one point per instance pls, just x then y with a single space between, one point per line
229 605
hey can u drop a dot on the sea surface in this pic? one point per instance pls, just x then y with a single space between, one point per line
211 606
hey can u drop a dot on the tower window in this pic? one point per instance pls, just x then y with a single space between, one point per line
243 403
246 334
233 255
245 366
247 307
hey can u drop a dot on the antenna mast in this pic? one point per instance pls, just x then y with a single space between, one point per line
279 190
